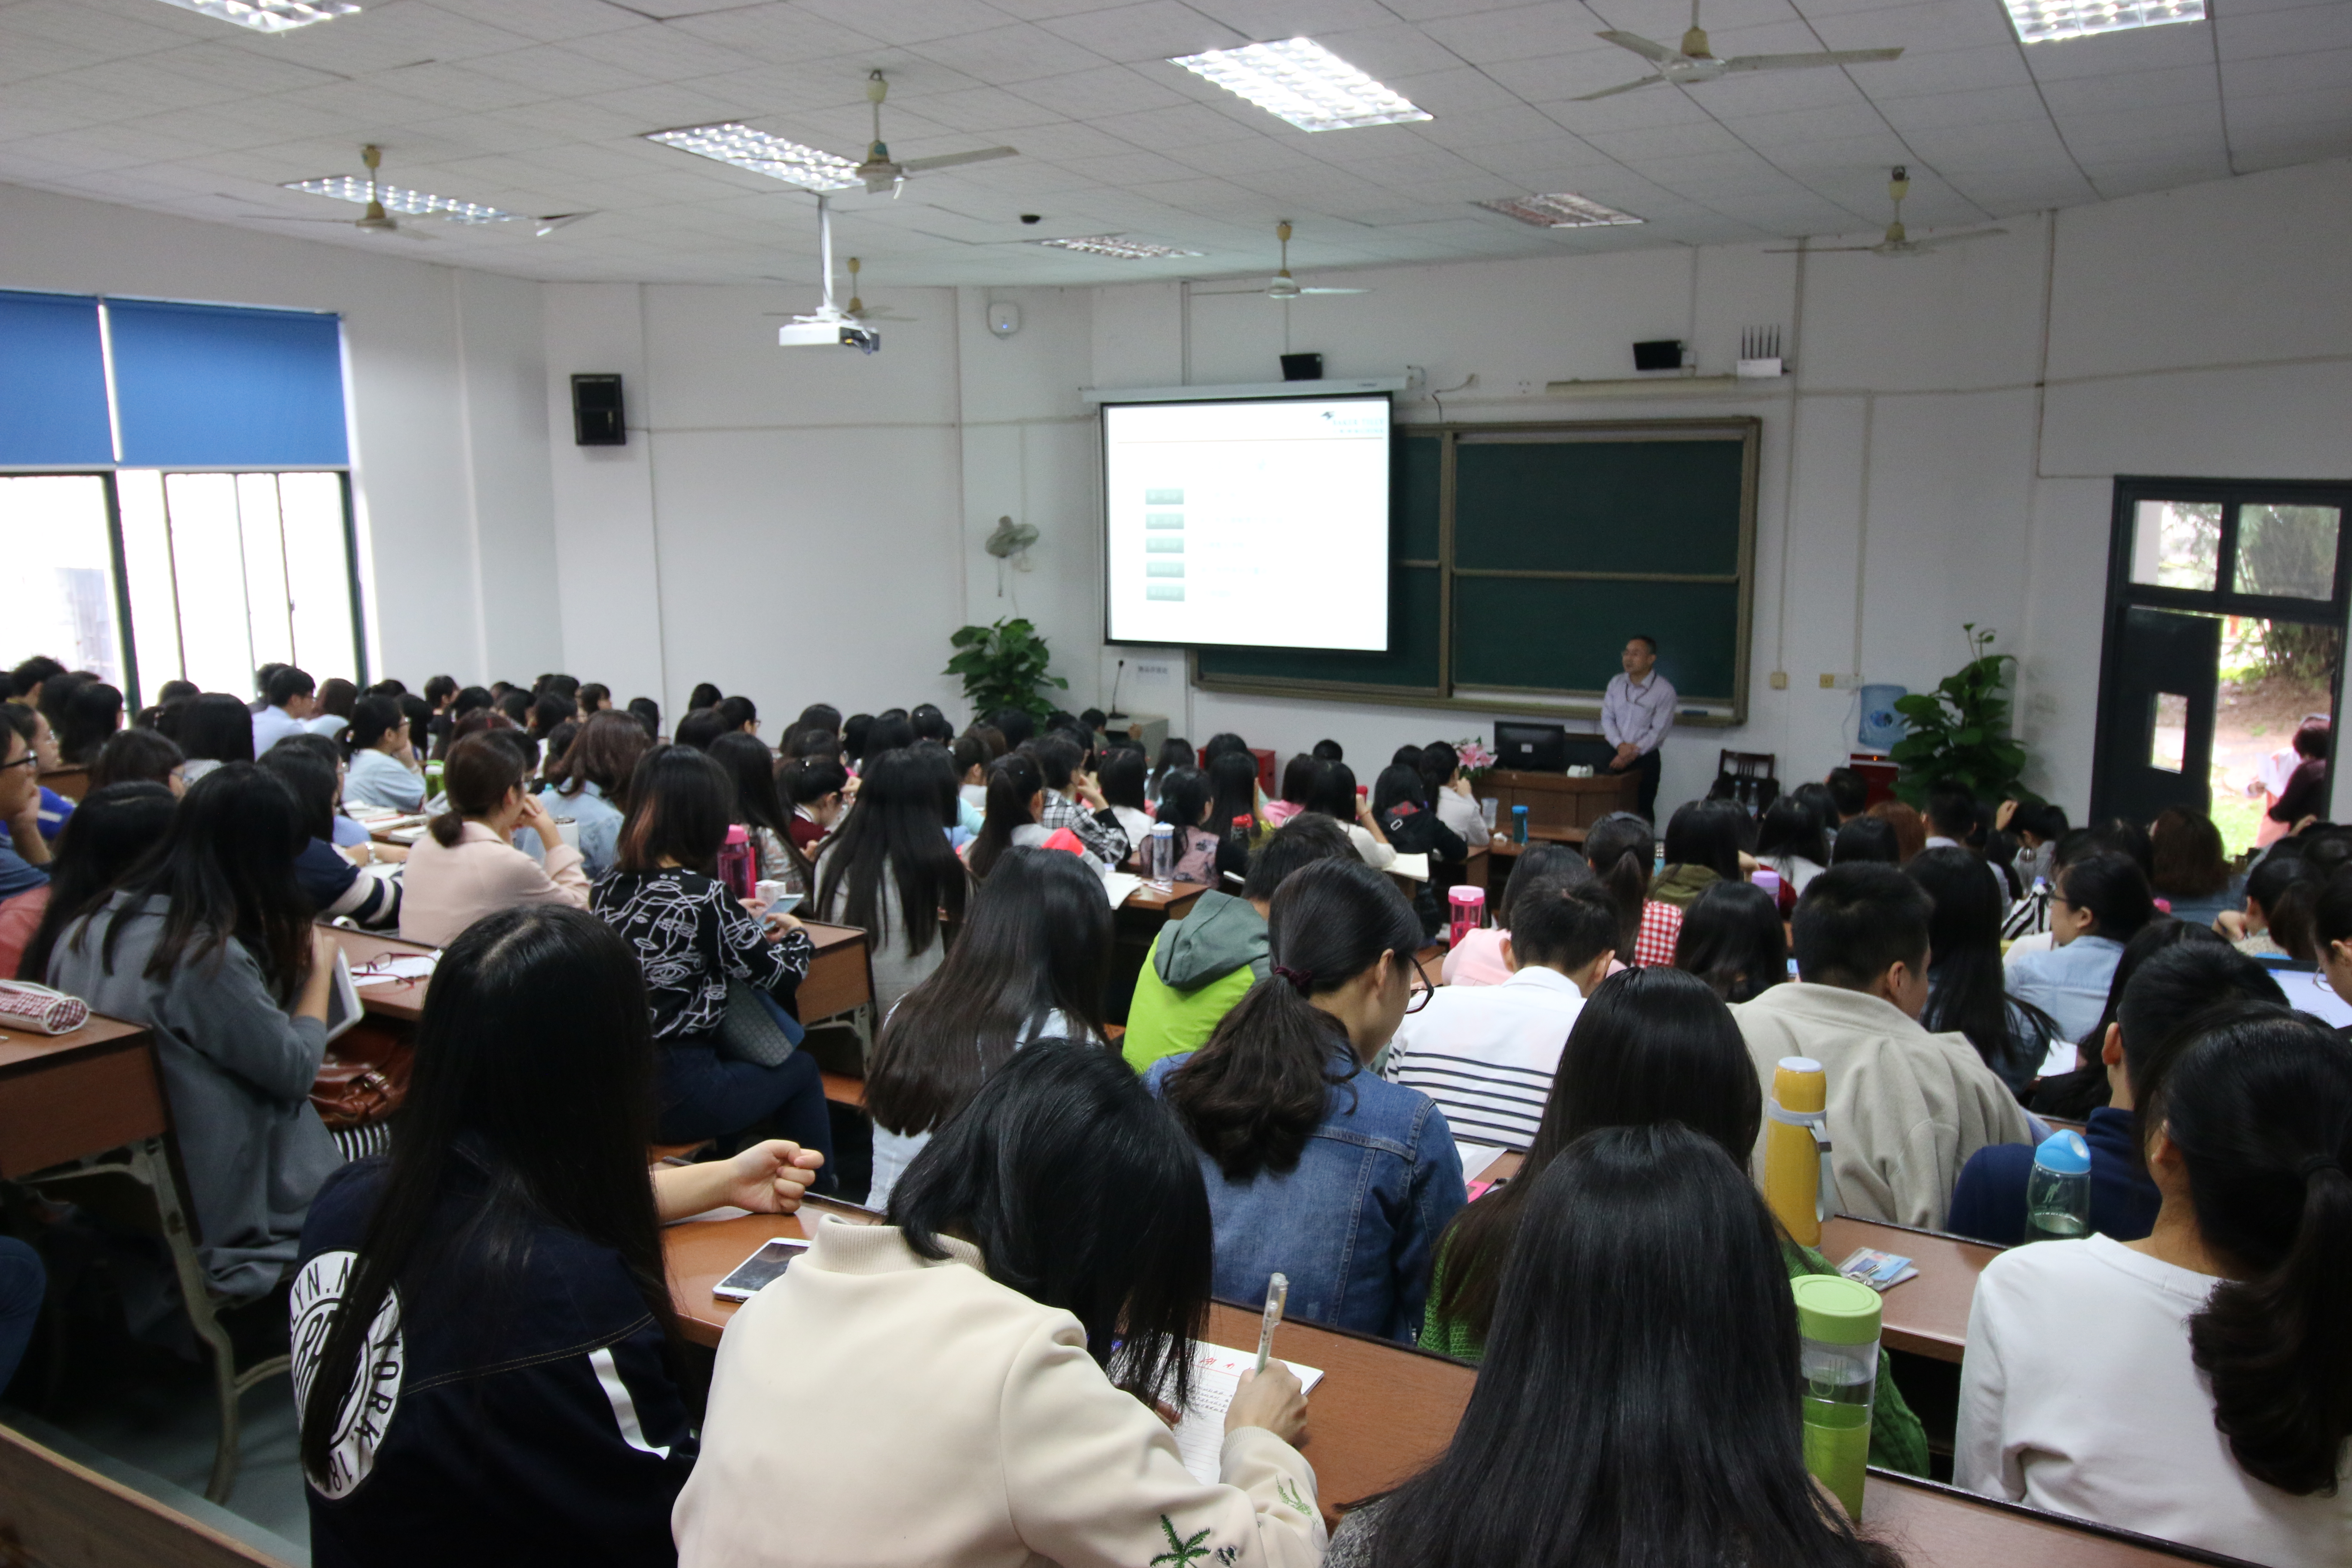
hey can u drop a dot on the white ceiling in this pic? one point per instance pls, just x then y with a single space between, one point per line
538 106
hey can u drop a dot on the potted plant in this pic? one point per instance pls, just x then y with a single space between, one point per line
1002 665
1960 732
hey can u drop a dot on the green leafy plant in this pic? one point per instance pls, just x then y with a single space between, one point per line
1960 732
1002 665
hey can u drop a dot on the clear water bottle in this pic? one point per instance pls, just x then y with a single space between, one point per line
1518 825
2058 1190
1164 851
1837 1325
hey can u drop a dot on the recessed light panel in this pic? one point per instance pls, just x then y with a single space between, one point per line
2046 21
1560 211
1300 80
810 168
418 204
1112 246
269 15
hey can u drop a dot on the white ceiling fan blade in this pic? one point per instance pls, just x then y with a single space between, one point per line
951 160
1930 242
1335 290
543 227
280 218
1648 48
1203 293
1817 250
1807 62
1622 87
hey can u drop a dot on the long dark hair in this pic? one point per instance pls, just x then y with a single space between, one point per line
1013 783
680 803
215 727
1233 776
605 753
1705 833
1652 1045
1298 779
224 869
143 755
1968 995
91 712
2261 1109
1791 829
1251 1096
895 826
2189 859
752 767
1620 848
1731 937
517 989
1036 940
110 832
1637 1403
1186 801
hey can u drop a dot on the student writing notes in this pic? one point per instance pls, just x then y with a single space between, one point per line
483 1338
468 867
1317 1167
981 1372
2210 1401
1639 1399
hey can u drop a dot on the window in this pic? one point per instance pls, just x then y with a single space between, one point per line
54 531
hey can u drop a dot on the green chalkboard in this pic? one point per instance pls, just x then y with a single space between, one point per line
1552 544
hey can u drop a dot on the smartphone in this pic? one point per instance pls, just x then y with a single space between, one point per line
761 1269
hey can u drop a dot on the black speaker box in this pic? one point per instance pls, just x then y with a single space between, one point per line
1659 353
1302 367
597 412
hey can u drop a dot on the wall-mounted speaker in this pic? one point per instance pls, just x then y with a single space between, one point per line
597 412
1302 367
1659 353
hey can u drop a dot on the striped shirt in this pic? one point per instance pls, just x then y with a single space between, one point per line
1487 1054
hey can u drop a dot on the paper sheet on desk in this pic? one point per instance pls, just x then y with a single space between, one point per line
384 971
1476 1158
1216 1375
1414 868
1118 885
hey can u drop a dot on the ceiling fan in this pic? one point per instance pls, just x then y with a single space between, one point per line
1283 286
856 306
1898 242
881 171
1693 62
376 220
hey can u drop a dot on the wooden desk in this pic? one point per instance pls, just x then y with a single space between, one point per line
840 977
1383 1411
1502 858
1173 905
396 1001
1929 1315
68 1096
1555 800
71 783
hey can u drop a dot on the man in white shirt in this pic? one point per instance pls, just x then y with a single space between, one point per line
1486 1053
289 699
1636 711
1907 1109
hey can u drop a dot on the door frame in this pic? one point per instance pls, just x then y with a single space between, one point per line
2123 594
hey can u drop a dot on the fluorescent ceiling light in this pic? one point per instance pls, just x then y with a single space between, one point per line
1300 80
1118 249
810 168
350 188
1560 211
2045 21
269 15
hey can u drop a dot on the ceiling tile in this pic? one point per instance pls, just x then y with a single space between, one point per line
906 21
1151 30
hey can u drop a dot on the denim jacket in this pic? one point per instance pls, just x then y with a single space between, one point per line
1355 1223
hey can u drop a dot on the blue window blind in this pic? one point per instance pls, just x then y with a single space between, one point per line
52 381
219 386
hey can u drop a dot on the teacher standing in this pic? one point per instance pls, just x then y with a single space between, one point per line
1635 714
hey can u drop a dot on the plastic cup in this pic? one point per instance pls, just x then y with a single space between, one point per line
1837 1322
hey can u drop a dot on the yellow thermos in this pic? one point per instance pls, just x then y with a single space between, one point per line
1796 1147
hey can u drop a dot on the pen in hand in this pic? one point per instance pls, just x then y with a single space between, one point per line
1277 1293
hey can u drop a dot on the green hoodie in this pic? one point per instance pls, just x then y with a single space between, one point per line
1197 969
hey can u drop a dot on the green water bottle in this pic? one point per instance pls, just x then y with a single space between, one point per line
2058 1190
1837 1322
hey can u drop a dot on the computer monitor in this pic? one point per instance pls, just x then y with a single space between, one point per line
1592 752
1532 747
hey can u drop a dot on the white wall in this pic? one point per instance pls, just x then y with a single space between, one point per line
447 402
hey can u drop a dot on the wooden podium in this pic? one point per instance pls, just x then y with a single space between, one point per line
1556 801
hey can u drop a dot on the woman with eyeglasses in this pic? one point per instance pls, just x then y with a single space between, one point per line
1318 1168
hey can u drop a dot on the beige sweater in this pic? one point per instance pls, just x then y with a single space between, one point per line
872 1408
1906 1107
445 889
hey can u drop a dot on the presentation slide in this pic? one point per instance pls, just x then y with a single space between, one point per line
1262 523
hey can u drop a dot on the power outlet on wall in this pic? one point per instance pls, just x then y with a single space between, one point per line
1780 681
1839 682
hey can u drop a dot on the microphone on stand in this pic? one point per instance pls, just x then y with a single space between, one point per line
1114 690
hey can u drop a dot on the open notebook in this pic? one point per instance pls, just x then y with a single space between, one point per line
1216 1375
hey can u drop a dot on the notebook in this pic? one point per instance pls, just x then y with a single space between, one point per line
1216 1375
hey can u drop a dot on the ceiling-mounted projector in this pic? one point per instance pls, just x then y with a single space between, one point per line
822 333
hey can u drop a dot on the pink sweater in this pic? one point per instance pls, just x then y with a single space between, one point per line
446 890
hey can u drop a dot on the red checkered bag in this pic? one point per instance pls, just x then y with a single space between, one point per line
37 1010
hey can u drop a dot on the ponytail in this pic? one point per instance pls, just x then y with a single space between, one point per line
1254 1093
2261 1109
479 771
1620 849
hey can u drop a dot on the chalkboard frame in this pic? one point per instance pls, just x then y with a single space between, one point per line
1563 702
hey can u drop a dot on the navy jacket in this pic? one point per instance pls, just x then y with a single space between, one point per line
542 1427
1989 1200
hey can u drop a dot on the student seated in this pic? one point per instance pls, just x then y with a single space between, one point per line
1017 798
1233 781
1317 1167
591 785
991 1359
1731 937
1622 851
384 772
1638 1402
1297 789
1186 801
1122 786
208 943
1865 838
1486 1054
692 939
1906 1107
817 790
1910 828
1792 842
139 756
1702 847
2100 903
467 865
1409 823
1174 752
887 871
1968 990
1199 966
1061 761
288 701
1449 792
1335 798
2209 1400
2258 931
25 857
88 718
758 809
1031 963
513 1232
113 831
2177 983
335 887
1478 958
2190 870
